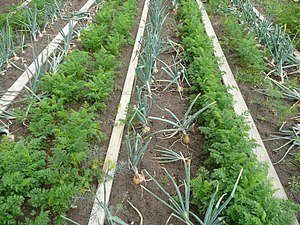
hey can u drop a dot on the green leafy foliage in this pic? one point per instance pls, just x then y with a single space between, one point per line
115 32
244 48
227 141
286 13
42 172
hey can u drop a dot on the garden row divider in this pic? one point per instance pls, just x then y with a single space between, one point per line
240 106
261 17
97 215
25 77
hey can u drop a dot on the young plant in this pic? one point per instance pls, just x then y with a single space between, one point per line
180 204
183 125
292 137
135 152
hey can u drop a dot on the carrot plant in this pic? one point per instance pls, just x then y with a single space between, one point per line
227 141
54 162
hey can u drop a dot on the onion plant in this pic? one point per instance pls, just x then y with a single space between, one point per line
177 74
291 136
67 37
272 36
168 156
180 204
292 93
31 23
152 46
7 48
142 109
53 10
55 59
182 126
135 152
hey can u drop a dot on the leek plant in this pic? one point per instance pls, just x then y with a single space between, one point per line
183 125
291 136
135 152
180 204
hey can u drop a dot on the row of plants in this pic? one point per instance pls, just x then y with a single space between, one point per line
227 141
59 158
139 133
250 67
272 36
285 12
29 22
249 59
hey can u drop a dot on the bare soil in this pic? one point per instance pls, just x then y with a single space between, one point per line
265 118
7 4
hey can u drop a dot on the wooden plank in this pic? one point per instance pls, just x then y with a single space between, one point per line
240 106
97 215
21 82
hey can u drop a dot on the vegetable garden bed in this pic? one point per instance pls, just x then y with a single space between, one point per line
185 156
269 108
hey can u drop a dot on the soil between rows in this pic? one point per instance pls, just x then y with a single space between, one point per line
7 4
153 211
34 48
266 120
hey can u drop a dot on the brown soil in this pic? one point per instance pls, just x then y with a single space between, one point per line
7 4
265 118
12 74
153 211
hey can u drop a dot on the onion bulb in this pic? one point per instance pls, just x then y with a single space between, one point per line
179 88
138 178
186 139
146 129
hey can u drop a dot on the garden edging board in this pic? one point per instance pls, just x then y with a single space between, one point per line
25 77
97 215
240 106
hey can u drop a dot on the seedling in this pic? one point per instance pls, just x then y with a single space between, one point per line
183 125
135 152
